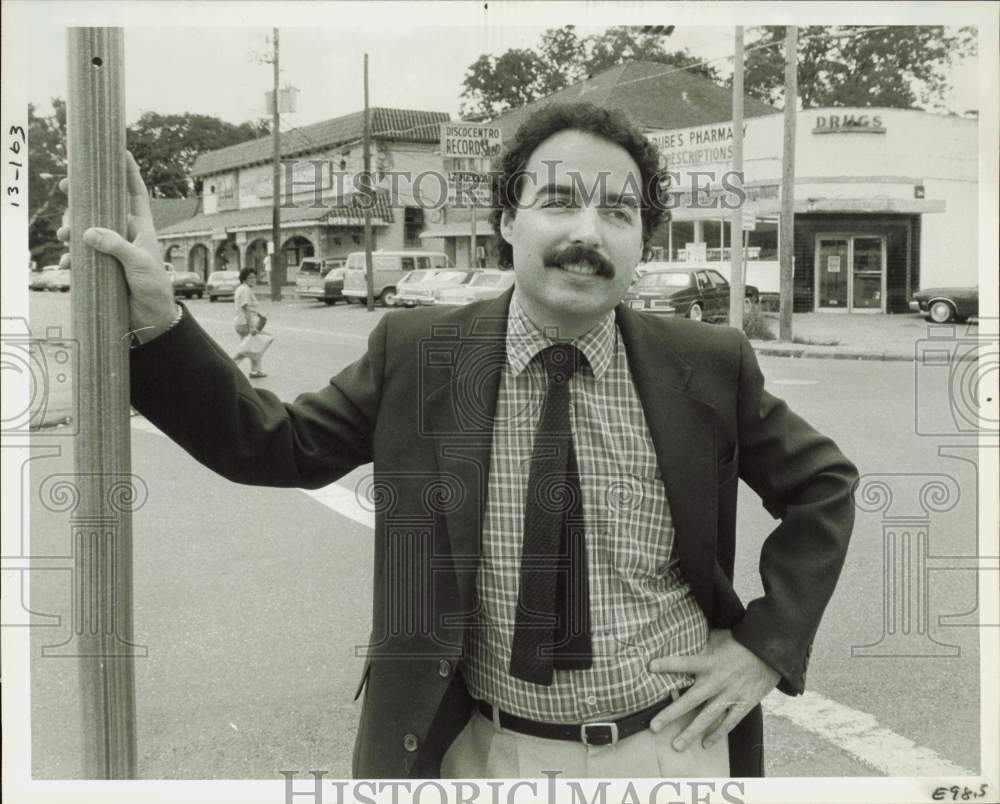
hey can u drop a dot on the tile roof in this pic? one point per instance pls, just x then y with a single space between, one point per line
168 211
349 214
407 125
651 94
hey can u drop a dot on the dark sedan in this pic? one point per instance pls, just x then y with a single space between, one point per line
701 294
187 284
946 304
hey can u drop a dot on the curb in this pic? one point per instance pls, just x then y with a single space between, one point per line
844 354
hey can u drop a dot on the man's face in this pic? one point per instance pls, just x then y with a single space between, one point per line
574 255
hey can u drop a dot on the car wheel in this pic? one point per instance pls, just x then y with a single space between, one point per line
388 297
199 295
940 312
695 313
212 299
352 300
330 302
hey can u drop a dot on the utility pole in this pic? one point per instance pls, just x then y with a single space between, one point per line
788 184
736 284
100 521
369 275
277 262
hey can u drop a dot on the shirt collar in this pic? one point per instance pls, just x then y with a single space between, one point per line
525 340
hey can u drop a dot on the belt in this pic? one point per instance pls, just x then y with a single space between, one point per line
593 733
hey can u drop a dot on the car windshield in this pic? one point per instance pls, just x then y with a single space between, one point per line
448 277
187 275
308 267
416 277
219 276
487 280
668 280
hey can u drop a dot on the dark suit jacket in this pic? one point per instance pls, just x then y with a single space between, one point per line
420 405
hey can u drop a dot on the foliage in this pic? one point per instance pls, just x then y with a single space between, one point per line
896 66
757 325
46 204
494 84
166 146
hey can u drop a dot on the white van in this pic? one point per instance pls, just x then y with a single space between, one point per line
387 268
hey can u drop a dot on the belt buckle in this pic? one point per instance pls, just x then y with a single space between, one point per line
612 733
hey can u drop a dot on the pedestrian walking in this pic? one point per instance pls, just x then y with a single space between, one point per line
249 322
553 582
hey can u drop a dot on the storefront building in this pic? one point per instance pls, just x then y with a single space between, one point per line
322 212
885 203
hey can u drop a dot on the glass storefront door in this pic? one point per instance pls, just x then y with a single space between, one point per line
832 271
850 273
866 273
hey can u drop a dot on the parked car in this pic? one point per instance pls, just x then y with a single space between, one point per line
946 304
410 294
484 285
388 267
40 279
187 284
222 285
698 293
322 280
58 280
409 282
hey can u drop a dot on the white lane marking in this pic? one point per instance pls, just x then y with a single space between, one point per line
343 501
860 735
794 382
337 498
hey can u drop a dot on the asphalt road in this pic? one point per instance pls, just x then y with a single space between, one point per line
251 602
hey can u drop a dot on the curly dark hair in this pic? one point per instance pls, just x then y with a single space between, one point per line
608 124
246 273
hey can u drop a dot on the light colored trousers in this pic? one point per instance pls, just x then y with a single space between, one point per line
484 751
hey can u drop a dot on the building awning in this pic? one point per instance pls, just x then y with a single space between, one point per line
460 229
259 219
770 207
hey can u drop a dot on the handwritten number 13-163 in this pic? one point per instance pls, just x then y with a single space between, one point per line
13 191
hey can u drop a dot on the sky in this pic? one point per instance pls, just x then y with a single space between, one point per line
415 61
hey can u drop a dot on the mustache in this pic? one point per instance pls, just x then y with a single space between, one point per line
580 255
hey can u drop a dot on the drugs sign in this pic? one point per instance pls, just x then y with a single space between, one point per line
467 150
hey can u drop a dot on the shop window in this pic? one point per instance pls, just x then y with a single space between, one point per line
413 225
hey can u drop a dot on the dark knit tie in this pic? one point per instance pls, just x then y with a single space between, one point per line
552 623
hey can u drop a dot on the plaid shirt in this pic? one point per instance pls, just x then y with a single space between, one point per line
641 606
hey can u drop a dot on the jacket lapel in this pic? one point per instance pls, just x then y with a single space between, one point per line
460 406
683 432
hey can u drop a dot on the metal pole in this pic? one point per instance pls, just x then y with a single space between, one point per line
102 524
277 260
472 237
369 274
787 231
736 284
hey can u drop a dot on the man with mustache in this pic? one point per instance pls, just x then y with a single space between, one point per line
572 468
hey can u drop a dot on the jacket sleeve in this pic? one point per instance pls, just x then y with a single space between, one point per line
189 388
805 481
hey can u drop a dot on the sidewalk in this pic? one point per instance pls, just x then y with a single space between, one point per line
854 337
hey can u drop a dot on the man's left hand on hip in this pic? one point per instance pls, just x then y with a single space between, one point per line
729 681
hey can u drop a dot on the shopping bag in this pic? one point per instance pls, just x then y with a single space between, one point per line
255 345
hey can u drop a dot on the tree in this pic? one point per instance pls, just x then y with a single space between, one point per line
46 166
493 84
895 66
166 146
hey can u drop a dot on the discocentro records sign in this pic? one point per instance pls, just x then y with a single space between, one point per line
467 150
